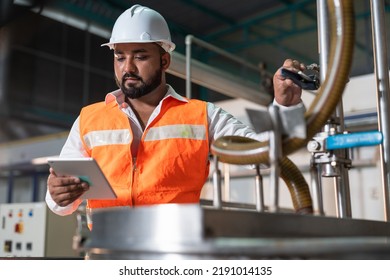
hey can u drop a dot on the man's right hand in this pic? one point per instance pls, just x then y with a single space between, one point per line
65 189
286 92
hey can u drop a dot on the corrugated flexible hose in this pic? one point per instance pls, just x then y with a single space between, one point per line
242 150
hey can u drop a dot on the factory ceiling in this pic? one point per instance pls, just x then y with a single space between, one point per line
266 31
258 31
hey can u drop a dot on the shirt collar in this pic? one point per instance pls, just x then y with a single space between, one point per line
120 99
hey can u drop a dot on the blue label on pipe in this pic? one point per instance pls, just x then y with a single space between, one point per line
356 139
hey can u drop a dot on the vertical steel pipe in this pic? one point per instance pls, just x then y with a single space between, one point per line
316 189
336 122
275 154
259 190
188 41
382 87
217 185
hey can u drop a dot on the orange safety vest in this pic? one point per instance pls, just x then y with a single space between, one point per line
172 161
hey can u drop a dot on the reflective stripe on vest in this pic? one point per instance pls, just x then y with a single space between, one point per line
107 137
197 132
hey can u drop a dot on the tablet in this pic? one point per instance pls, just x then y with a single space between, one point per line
88 170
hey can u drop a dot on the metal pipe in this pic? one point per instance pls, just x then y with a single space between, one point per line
336 121
342 194
226 182
188 41
229 204
323 36
215 79
259 190
275 150
323 49
382 86
222 52
316 189
217 186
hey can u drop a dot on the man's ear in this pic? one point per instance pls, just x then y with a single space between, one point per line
165 60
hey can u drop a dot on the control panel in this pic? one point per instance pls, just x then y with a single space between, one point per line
30 229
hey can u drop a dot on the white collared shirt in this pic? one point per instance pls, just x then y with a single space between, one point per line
220 122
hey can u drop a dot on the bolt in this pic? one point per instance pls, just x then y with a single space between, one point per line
313 146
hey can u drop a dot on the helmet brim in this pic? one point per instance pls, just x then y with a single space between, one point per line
168 46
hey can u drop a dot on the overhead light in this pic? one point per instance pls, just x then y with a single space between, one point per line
27 3
73 21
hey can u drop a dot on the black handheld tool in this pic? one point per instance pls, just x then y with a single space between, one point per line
308 82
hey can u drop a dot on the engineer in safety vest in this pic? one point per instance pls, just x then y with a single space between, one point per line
151 142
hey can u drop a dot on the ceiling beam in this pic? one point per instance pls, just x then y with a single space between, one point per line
256 20
209 12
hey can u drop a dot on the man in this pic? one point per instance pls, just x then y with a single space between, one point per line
151 143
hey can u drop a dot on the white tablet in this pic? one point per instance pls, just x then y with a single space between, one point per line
87 169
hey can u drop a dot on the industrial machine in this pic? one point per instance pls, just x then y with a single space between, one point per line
194 232
223 231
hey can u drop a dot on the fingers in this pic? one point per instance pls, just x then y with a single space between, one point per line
65 189
51 170
294 64
66 198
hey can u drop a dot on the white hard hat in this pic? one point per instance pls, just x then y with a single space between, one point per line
140 24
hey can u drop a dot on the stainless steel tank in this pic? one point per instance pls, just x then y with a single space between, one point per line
191 232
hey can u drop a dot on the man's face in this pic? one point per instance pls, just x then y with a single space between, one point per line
138 68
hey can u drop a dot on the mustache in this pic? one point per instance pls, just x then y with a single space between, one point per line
131 75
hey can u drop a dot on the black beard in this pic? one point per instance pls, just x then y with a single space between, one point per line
145 88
